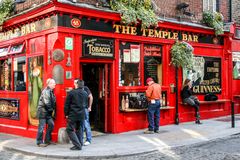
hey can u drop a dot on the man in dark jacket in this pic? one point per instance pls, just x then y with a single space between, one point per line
46 113
74 109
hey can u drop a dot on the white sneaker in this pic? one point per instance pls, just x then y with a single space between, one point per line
86 143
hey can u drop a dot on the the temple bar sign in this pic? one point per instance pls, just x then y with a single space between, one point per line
155 33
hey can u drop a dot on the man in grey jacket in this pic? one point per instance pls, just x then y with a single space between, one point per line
46 113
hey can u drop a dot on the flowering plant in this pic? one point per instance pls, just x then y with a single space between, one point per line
135 12
182 55
214 20
6 7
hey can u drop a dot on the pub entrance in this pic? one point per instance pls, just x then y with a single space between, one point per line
96 77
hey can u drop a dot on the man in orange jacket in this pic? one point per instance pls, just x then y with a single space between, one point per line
153 94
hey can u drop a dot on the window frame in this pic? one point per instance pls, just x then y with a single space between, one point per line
207 5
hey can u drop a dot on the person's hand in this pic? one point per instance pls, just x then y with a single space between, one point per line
89 109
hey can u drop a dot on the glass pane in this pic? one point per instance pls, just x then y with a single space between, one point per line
16 48
129 64
19 68
3 51
35 84
153 62
5 74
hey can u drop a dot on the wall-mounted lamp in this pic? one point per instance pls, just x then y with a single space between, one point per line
183 8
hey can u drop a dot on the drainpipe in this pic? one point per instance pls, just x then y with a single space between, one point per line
230 10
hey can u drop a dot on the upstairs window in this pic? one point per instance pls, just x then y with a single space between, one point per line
210 5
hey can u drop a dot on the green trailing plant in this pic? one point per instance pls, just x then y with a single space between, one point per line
135 11
6 7
182 55
214 20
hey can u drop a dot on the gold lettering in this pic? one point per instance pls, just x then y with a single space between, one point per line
33 27
144 32
125 30
184 37
189 37
165 34
133 30
158 33
118 27
28 29
150 33
195 38
23 30
175 35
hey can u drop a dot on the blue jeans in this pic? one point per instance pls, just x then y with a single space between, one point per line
41 126
87 126
154 116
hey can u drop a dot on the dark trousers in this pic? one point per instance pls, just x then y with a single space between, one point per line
194 102
75 132
41 126
154 116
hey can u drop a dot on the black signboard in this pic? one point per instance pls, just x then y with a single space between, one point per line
9 108
97 24
97 47
151 67
205 75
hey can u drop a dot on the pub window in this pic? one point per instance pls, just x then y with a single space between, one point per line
153 62
19 48
237 33
5 74
3 51
19 67
210 5
205 75
236 65
129 64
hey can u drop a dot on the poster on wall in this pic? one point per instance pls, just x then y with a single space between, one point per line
126 56
236 65
135 53
35 86
205 75
9 108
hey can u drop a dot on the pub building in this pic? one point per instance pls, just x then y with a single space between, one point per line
65 42
235 44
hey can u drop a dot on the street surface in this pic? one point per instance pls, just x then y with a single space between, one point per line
221 149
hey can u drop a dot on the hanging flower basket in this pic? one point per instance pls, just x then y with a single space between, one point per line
214 20
6 7
134 12
182 55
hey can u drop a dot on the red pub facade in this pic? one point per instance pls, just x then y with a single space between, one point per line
67 42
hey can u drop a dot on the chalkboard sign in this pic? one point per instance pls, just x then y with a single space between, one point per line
151 67
97 47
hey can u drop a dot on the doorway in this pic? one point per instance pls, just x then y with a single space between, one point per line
96 78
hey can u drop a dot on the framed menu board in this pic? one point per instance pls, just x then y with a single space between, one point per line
151 67
152 61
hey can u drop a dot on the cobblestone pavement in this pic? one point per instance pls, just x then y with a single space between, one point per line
220 149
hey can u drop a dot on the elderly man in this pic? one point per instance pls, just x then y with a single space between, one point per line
153 94
74 109
46 113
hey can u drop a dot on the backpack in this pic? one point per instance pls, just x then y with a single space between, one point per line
210 97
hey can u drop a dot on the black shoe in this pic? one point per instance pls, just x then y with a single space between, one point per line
75 148
51 142
42 145
156 131
198 122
